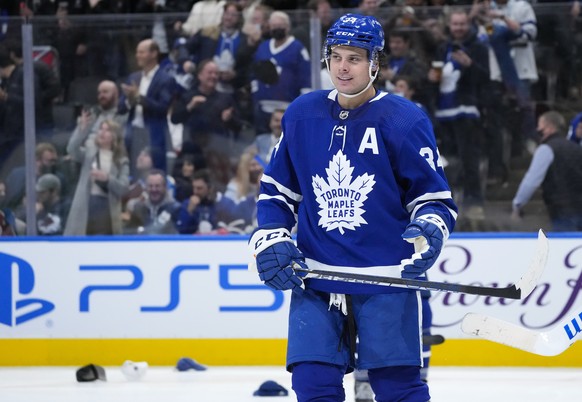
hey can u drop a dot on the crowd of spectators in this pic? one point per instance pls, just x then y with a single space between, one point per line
159 116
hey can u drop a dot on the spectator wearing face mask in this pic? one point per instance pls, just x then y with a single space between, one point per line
555 167
282 71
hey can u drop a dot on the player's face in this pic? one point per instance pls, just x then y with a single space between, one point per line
349 69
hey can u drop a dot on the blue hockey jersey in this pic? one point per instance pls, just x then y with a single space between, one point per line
291 61
293 67
352 180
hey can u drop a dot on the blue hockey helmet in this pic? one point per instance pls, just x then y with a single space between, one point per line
356 30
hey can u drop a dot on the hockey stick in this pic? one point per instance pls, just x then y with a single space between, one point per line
519 290
544 343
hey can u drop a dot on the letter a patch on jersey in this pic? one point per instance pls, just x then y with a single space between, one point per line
369 141
340 198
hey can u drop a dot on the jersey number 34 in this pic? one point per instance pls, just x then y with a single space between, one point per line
428 154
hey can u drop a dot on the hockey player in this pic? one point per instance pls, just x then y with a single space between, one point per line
357 170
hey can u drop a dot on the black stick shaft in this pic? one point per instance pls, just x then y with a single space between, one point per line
510 292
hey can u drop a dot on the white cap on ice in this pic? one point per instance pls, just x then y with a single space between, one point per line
134 371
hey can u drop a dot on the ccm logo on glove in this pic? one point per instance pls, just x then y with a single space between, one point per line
263 238
276 255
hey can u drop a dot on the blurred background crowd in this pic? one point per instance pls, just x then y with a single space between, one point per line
159 116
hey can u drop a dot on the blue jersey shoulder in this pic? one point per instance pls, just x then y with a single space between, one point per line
395 105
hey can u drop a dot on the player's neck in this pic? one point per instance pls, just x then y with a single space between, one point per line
353 103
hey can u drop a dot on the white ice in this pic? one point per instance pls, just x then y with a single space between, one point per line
236 384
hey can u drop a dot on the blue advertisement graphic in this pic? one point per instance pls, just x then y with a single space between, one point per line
10 303
84 296
137 279
226 284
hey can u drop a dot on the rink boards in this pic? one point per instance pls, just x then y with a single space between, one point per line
68 301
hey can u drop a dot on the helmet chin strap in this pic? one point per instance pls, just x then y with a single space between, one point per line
370 74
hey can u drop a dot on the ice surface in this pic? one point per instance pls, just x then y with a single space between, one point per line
237 384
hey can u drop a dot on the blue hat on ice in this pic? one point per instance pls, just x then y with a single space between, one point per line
186 363
271 388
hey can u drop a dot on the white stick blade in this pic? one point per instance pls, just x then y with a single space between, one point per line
529 281
549 343
496 330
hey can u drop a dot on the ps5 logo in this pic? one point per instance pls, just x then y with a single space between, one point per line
17 279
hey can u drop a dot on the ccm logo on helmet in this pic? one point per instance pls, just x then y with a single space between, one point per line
341 33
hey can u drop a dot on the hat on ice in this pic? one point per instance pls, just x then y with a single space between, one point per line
271 388
186 363
91 372
134 371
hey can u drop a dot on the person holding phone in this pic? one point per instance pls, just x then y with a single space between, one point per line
465 71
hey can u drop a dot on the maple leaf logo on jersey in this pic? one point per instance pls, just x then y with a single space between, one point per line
340 199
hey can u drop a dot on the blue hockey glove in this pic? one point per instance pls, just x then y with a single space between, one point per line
275 255
428 233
